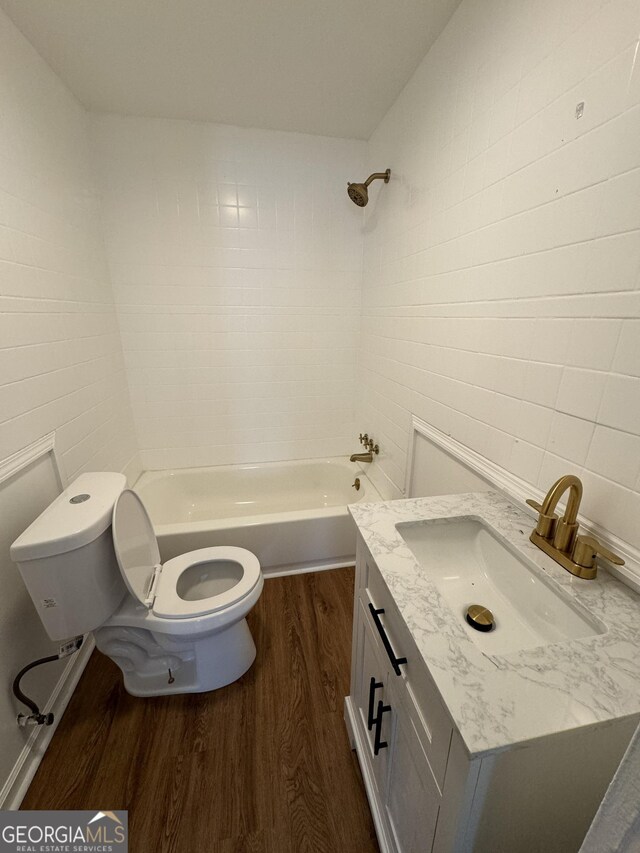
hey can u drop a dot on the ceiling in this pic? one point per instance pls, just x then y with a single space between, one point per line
330 67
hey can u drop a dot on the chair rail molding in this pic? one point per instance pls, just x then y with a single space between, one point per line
16 462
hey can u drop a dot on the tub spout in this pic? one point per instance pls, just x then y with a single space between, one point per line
361 457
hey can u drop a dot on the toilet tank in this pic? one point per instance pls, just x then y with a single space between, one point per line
66 557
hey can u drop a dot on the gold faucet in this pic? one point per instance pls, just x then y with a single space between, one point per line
361 457
371 446
558 537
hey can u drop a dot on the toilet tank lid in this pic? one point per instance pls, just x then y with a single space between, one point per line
76 517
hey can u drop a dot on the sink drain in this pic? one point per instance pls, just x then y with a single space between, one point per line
480 618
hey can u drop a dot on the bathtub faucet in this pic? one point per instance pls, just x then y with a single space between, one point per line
361 457
368 456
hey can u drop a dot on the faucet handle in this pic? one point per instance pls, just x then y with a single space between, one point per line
546 525
586 549
364 438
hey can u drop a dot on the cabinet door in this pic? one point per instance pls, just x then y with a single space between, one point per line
412 799
374 715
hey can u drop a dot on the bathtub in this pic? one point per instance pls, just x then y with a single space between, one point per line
291 515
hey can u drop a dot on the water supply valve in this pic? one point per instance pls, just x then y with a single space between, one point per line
34 720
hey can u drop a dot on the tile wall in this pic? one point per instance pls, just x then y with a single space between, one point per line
501 290
235 257
61 365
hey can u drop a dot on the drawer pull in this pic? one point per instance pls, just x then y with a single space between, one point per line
395 661
373 686
377 743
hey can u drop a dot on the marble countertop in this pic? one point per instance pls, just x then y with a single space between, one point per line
498 701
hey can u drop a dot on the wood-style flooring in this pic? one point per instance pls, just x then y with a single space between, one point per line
261 765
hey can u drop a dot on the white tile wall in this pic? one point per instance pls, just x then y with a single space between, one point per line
236 259
501 290
61 364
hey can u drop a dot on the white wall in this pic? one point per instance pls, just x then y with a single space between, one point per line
60 357
501 296
235 257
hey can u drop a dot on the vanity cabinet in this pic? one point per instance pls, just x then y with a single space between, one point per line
426 792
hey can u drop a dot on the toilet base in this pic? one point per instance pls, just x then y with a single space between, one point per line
196 666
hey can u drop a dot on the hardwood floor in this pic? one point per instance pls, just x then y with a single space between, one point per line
261 765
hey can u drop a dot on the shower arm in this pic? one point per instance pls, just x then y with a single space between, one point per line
383 176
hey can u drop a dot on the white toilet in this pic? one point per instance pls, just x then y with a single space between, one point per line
91 563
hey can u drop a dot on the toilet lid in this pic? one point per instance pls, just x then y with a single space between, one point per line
135 544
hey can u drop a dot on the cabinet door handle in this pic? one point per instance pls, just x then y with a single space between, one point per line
373 686
395 661
377 743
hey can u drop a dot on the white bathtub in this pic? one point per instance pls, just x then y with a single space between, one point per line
292 515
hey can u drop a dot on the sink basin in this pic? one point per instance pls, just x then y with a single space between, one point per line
470 564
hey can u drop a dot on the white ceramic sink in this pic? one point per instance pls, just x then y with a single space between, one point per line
470 564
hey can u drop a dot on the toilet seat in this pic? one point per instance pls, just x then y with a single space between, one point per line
157 586
170 605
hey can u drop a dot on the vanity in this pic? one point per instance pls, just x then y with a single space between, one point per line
472 739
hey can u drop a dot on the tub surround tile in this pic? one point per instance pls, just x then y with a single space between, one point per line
237 280
498 700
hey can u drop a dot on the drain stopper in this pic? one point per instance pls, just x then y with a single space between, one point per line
480 618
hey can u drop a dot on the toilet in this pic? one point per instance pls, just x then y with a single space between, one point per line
91 562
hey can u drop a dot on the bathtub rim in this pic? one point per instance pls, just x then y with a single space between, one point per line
370 495
151 474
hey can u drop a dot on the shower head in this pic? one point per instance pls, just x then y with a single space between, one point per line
359 194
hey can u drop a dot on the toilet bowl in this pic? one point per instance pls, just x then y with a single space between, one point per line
91 562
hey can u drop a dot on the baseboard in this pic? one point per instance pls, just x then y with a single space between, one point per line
355 737
305 568
16 786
